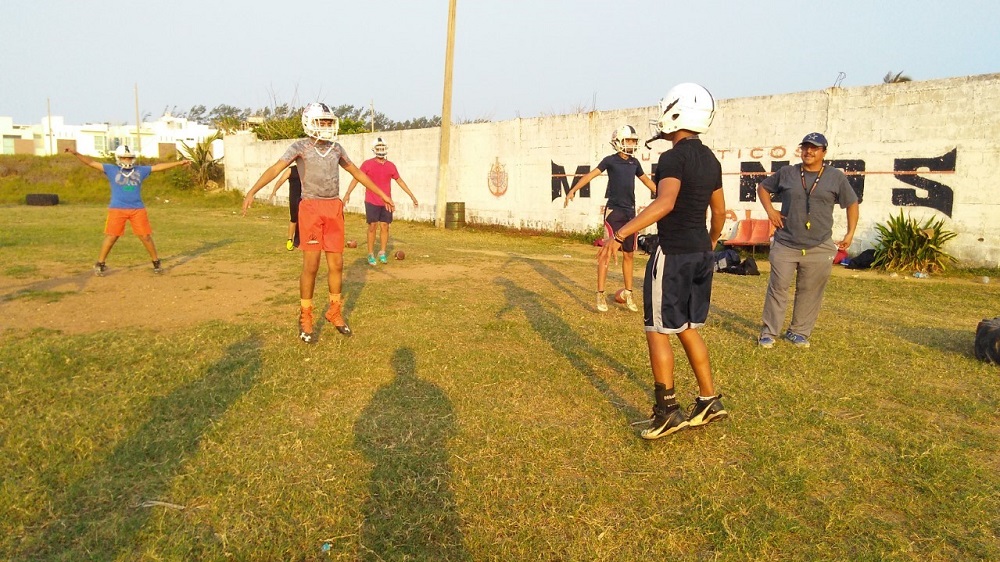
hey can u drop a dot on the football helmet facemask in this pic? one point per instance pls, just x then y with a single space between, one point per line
625 133
320 123
380 148
124 158
686 106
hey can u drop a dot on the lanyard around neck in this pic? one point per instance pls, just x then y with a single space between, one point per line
809 191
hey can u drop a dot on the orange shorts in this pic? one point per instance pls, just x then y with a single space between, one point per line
115 225
321 225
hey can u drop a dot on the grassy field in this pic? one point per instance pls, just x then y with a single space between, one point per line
482 410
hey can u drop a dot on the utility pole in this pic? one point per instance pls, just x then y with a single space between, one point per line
48 109
442 189
138 124
373 114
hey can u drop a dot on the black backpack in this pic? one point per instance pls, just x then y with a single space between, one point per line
864 260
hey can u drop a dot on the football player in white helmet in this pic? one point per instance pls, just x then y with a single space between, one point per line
124 158
677 288
321 211
382 172
686 106
320 123
622 169
126 204
625 140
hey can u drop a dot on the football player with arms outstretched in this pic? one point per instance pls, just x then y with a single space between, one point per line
382 172
126 204
622 168
321 211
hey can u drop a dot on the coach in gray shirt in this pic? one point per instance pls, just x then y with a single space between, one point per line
803 247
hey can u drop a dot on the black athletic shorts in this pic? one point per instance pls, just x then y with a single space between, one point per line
677 291
615 219
377 213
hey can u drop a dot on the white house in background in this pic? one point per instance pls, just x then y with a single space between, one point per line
157 139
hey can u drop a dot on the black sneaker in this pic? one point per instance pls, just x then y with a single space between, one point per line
703 412
100 268
156 267
666 421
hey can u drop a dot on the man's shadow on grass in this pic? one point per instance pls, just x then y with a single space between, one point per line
558 279
99 516
554 330
404 431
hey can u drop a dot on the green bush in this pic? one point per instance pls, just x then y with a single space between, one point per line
905 245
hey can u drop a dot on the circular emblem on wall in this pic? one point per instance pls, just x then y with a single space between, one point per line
497 179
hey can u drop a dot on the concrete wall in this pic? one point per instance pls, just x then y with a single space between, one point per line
929 149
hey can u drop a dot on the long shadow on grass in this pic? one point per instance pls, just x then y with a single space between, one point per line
98 517
734 322
181 259
961 342
558 279
404 430
554 330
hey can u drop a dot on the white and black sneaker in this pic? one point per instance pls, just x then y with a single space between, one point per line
100 268
665 421
703 412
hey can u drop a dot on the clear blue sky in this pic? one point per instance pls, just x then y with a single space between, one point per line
512 58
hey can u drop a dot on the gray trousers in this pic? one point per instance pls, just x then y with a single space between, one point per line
810 270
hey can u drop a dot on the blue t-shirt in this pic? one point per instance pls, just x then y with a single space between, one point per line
621 180
126 186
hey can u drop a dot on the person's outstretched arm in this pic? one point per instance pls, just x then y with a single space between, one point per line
86 160
168 165
580 184
350 188
264 179
281 179
402 184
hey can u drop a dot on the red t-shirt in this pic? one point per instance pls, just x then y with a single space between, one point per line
382 173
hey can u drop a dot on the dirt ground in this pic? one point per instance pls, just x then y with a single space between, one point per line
132 296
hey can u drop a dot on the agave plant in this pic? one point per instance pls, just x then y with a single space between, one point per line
906 245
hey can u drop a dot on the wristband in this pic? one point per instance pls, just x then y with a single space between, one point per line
619 239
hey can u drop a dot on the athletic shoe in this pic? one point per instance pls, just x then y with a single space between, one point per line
797 340
602 302
290 245
629 303
306 325
767 342
382 258
666 421
371 259
334 317
704 411
156 267
100 268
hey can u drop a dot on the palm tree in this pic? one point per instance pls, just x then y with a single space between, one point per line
203 163
891 78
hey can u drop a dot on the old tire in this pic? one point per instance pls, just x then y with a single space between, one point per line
41 199
988 340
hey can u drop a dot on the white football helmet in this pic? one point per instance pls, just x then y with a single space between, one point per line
124 158
319 122
623 134
686 106
380 148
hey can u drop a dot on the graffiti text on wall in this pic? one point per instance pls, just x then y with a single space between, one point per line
561 184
